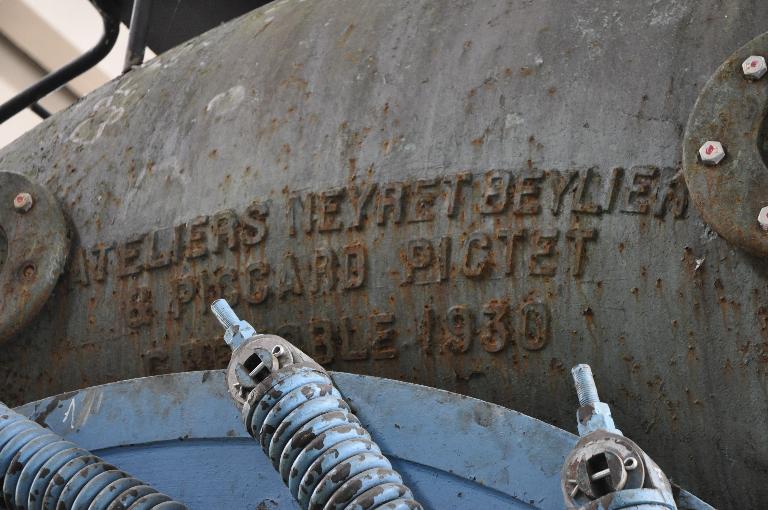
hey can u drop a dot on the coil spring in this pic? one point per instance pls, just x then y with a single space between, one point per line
322 452
40 470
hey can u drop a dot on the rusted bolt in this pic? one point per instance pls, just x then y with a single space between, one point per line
23 202
28 271
712 152
754 67
237 331
762 218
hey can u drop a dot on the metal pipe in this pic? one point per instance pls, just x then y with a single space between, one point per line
57 78
137 37
39 110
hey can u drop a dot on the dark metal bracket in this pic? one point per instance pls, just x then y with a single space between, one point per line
28 97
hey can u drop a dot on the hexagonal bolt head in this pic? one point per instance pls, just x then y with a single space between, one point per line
711 153
754 67
23 202
762 218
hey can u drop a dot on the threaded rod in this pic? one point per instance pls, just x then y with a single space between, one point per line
585 385
226 315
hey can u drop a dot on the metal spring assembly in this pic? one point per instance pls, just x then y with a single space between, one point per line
322 452
40 470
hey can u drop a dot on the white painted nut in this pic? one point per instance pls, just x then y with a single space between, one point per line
712 152
762 218
754 67
23 202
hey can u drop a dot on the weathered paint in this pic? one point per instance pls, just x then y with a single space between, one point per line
732 110
182 434
495 195
34 243
41 470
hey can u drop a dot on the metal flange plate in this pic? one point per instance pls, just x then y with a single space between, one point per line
732 110
34 246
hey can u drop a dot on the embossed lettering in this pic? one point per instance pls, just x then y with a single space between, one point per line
254 228
129 256
328 209
78 269
182 292
225 225
426 329
527 192
138 307
100 270
582 202
347 332
543 247
674 195
306 203
288 278
459 329
359 198
422 201
157 256
197 238
638 190
444 258
453 198
510 237
390 198
476 256
495 192
229 285
418 254
560 183
353 266
324 264
535 326
383 336
321 341
495 333
258 285
580 238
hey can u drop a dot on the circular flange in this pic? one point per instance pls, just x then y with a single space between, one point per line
34 245
731 110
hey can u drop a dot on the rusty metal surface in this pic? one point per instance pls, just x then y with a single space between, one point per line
182 434
34 244
732 110
470 194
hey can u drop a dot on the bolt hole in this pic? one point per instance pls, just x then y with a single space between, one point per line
630 463
259 365
28 271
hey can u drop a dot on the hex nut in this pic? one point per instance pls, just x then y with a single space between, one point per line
754 67
23 202
762 218
594 417
712 152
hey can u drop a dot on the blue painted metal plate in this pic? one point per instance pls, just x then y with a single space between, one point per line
183 435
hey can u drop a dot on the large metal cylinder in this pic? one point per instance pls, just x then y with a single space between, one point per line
472 195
